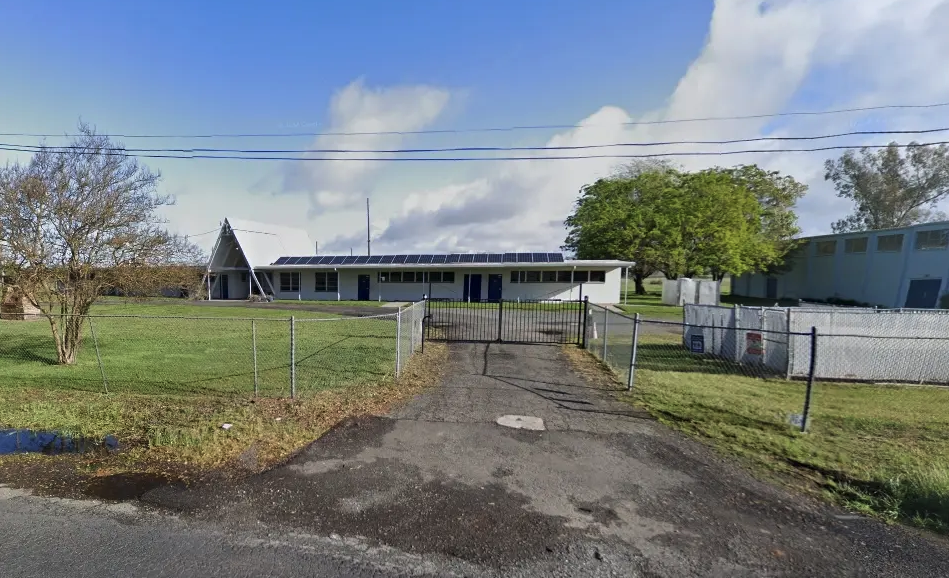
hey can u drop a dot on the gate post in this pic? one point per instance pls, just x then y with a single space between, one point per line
500 320
585 313
293 356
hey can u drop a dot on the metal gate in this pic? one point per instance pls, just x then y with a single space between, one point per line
503 321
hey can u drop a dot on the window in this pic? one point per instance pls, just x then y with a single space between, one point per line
938 239
243 277
416 277
564 276
887 243
290 282
532 277
515 276
383 276
548 276
327 282
395 277
448 277
581 276
597 276
856 245
434 277
825 248
409 277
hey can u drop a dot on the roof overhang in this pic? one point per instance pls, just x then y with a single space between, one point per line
466 266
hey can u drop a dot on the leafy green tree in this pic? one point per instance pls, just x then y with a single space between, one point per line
889 188
718 220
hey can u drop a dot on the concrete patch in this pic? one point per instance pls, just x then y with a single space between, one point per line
521 422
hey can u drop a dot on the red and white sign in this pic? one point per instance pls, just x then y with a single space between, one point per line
753 343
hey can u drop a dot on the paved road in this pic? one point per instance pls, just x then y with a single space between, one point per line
437 488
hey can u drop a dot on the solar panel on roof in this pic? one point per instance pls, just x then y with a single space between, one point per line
325 260
539 257
454 258
481 258
310 261
399 258
510 258
387 259
337 260
362 260
524 258
495 257
350 260
374 259
467 258
281 261
412 258
424 259
439 258
555 257
295 260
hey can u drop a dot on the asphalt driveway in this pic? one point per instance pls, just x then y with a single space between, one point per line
440 488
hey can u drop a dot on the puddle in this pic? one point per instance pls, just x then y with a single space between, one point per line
127 486
22 441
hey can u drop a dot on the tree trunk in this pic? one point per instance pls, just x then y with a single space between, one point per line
640 286
68 341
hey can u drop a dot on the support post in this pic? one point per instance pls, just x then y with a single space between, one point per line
805 417
253 342
586 313
398 342
736 316
95 341
500 318
631 379
293 356
606 329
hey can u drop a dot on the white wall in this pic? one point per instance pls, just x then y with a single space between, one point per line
606 292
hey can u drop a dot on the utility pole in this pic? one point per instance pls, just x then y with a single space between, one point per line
368 240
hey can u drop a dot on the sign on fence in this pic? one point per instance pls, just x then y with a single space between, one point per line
753 343
697 344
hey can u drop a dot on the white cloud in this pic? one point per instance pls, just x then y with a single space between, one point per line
361 109
757 59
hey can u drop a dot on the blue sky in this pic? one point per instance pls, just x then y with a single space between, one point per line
201 67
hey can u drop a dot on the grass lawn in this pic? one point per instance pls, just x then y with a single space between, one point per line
210 352
880 450
175 377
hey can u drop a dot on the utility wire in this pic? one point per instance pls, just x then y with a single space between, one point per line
510 128
499 148
119 152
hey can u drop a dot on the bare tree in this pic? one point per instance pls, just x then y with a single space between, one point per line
890 189
79 221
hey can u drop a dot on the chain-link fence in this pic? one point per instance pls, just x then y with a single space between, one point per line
271 356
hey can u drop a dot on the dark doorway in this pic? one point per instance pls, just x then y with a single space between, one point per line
494 287
771 288
923 293
472 290
363 290
223 283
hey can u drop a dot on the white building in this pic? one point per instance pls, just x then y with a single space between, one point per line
255 258
907 267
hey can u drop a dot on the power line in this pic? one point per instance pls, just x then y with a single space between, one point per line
498 148
509 128
118 152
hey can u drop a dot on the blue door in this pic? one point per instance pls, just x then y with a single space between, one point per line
923 293
225 287
363 288
494 287
472 290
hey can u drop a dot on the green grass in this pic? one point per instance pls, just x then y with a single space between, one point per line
212 355
880 450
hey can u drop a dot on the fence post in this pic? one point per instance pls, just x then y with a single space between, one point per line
253 341
736 315
293 356
586 313
95 341
398 342
632 355
500 318
805 417
788 346
606 330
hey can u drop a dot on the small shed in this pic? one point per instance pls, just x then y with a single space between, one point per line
16 307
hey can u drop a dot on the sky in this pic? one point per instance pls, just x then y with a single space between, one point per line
598 67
